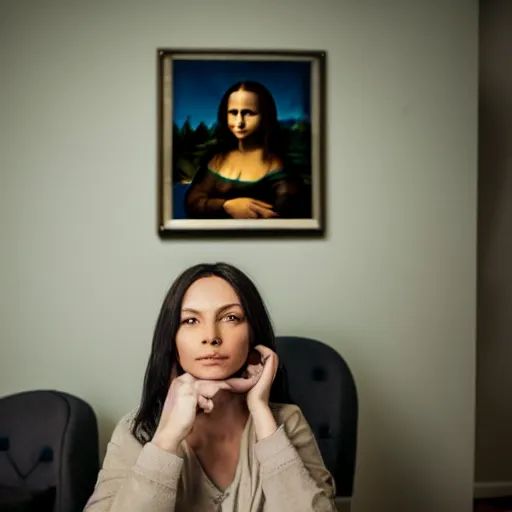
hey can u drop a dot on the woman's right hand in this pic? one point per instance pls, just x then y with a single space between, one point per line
186 394
248 208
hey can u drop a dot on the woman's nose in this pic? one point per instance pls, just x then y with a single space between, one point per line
216 341
211 334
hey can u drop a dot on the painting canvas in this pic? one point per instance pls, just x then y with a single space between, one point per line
241 142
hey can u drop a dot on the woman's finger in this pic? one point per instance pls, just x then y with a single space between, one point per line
254 369
252 212
264 212
240 385
262 203
269 358
265 352
186 377
210 387
205 403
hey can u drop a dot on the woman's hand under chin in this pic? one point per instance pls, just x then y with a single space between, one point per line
258 377
265 372
260 374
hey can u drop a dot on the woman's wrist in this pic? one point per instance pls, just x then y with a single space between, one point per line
168 445
264 421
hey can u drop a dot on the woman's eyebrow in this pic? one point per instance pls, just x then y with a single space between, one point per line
228 306
190 310
220 310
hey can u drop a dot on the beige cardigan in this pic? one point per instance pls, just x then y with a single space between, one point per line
283 472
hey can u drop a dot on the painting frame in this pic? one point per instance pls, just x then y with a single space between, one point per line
168 225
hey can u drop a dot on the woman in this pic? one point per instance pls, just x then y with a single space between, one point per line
207 434
245 177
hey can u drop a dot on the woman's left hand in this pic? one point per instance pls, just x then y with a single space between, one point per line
260 373
263 369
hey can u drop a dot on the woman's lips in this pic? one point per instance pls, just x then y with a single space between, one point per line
212 359
212 362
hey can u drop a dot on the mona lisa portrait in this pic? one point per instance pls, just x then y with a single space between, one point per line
241 142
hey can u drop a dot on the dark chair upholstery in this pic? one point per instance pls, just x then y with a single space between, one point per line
49 451
321 384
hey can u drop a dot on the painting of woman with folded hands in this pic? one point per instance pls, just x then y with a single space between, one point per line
246 175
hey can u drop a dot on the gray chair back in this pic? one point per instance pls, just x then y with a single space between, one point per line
49 440
321 384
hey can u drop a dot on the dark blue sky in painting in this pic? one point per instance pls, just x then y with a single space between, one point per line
198 86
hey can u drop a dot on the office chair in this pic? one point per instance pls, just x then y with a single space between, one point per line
321 384
49 452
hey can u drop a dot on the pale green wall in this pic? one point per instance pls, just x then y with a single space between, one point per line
392 286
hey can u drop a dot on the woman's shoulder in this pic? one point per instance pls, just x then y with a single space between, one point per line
216 161
123 429
276 163
289 415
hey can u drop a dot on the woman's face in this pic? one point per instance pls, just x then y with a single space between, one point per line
213 337
244 117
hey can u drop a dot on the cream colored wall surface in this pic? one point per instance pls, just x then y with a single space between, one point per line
391 287
493 469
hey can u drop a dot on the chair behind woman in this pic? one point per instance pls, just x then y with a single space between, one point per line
49 451
321 384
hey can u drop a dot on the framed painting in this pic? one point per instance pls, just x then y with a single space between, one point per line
241 142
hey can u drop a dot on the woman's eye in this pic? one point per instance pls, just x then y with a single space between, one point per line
232 318
189 321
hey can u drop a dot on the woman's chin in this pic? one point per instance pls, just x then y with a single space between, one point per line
212 373
216 372
243 135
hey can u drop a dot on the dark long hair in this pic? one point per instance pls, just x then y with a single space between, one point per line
163 359
269 133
